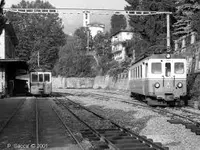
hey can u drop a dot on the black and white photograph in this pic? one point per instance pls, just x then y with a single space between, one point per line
100 75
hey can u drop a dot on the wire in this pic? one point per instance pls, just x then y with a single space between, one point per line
84 10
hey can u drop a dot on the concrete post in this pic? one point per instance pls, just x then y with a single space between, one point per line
193 38
168 32
176 45
183 42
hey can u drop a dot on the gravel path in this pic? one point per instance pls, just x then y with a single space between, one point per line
141 120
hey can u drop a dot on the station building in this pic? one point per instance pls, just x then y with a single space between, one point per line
10 66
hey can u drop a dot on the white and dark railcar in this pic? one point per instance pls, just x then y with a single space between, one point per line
40 82
160 79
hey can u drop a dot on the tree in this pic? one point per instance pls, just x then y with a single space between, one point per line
103 55
37 32
118 22
73 59
195 22
152 28
185 15
3 18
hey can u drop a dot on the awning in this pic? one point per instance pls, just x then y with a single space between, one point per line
16 63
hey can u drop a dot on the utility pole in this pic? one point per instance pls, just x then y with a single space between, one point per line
38 59
168 33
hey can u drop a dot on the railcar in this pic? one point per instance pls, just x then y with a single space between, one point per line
160 79
40 82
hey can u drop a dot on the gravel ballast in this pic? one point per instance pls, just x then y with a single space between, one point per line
138 119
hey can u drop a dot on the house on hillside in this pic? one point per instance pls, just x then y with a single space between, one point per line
117 40
96 28
10 67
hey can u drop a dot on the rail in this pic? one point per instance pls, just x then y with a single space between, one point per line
135 136
11 116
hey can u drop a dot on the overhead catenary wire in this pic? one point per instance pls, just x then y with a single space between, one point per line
84 10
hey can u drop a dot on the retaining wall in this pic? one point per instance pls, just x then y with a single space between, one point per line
61 82
106 82
103 82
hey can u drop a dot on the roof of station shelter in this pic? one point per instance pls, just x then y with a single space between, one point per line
16 63
11 32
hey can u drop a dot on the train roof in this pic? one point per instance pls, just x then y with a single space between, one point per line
164 56
159 56
40 70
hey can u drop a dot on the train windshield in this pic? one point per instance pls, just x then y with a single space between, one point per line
179 68
167 69
40 77
156 68
46 77
34 77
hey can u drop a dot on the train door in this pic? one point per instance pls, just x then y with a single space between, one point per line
47 83
168 79
179 76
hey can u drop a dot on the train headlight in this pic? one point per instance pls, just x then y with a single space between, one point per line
168 56
157 85
180 85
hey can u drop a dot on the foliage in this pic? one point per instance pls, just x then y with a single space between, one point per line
184 16
73 59
195 23
3 18
37 32
103 55
118 68
118 22
152 29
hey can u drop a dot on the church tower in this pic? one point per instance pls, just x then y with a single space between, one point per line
86 18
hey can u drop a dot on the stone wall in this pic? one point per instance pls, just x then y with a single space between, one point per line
103 82
61 82
106 82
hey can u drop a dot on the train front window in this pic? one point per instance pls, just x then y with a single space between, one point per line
40 77
34 78
178 68
167 69
46 77
156 68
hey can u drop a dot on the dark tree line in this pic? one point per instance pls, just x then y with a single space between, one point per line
41 33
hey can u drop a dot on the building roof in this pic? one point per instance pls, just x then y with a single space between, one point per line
15 63
121 31
96 24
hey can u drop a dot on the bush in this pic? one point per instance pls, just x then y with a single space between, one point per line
193 86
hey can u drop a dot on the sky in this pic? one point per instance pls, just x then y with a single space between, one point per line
112 4
73 21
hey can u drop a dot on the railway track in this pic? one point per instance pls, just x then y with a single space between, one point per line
189 119
55 124
6 122
68 130
114 137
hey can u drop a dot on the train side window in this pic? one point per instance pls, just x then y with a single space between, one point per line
40 77
156 68
146 70
178 68
46 77
34 77
167 69
136 72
